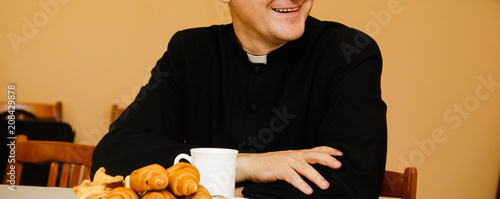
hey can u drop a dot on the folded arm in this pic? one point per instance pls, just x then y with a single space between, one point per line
354 124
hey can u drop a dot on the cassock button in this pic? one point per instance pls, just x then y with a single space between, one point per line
252 108
257 70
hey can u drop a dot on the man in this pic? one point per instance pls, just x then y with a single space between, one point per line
298 97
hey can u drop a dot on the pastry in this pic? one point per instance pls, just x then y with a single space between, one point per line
151 177
202 193
163 194
87 190
122 193
184 179
98 188
149 182
101 178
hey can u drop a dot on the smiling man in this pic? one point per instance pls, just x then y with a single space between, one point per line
263 26
298 97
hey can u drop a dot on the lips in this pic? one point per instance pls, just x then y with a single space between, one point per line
286 10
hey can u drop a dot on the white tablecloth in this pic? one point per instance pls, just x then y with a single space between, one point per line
23 192
35 192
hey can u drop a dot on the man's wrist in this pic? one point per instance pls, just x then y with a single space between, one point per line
242 168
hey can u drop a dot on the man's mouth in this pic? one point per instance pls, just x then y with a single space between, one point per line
286 10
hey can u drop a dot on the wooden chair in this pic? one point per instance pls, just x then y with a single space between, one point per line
116 112
400 185
51 112
53 152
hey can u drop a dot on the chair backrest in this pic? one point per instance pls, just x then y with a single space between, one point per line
52 112
400 185
78 156
116 112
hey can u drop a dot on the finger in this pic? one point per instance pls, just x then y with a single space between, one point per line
295 180
323 159
312 174
329 150
237 191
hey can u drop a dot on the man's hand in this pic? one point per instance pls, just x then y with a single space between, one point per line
287 166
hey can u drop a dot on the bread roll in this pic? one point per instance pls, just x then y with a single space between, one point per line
152 177
202 193
184 179
163 194
122 193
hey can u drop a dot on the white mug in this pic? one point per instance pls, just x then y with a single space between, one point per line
217 167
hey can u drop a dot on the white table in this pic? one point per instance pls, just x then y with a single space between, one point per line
36 192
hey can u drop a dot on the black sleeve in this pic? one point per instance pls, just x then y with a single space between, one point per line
355 124
150 129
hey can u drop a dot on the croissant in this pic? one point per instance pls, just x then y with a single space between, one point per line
202 193
163 194
122 193
152 177
184 179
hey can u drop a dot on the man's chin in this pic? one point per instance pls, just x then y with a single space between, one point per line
291 35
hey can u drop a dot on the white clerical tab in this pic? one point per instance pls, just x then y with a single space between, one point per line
257 59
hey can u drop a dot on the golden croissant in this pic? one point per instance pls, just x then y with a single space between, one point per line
202 193
152 177
122 193
163 194
183 178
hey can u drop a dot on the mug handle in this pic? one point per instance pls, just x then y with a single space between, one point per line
182 156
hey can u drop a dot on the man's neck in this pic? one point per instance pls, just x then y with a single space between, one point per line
256 45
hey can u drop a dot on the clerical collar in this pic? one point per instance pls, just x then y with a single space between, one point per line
255 59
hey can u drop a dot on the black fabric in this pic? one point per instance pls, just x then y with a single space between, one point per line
322 89
36 174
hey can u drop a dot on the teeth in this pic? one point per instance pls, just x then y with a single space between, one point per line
286 10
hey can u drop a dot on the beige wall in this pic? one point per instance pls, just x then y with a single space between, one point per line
439 57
